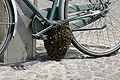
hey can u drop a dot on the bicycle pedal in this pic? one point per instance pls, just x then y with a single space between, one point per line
42 37
35 37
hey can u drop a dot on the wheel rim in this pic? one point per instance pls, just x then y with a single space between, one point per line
4 27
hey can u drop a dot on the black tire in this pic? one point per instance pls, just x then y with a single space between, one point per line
8 29
113 41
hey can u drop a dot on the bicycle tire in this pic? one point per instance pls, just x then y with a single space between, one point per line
114 32
6 29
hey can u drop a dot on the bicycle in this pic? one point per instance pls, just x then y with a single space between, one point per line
81 18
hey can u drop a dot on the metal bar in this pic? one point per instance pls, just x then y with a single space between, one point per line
6 23
84 16
104 26
53 9
101 2
44 30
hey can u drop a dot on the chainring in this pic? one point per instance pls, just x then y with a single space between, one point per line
58 40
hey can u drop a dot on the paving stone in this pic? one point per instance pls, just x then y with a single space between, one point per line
104 65
95 68
43 71
99 60
80 62
99 79
85 67
117 64
109 61
6 78
115 76
57 75
68 67
118 69
100 74
71 77
87 77
21 79
9 74
70 72
112 67
84 73
39 76
57 79
80 79
108 71
30 73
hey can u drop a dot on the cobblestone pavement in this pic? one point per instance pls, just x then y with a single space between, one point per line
70 68
76 66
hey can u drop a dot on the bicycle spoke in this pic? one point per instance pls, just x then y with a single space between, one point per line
6 18
113 25
93 35
98 35
113 2
6 23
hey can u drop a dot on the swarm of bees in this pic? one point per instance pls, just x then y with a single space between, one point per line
58 40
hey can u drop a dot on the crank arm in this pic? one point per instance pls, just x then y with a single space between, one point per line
104 26
44 30
41 37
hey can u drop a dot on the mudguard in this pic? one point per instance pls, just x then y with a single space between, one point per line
15 15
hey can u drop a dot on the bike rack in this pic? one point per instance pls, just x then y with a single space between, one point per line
22 47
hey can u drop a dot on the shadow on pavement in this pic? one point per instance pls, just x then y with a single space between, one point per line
43 57
72 54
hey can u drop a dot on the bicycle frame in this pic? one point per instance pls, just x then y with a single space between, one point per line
49 21
40 18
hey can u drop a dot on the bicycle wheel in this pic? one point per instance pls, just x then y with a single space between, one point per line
6 30
99 38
